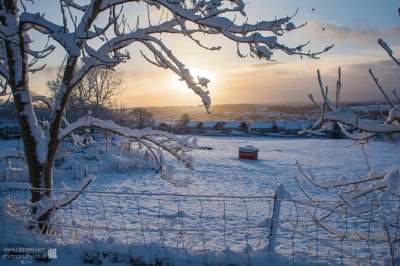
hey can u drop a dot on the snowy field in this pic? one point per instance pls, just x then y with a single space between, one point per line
225 208
219 172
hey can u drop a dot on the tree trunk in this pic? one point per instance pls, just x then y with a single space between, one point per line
40 145
40 172
40 175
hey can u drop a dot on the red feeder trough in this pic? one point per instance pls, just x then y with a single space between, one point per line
248 153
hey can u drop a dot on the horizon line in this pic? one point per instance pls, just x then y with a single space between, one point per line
263 104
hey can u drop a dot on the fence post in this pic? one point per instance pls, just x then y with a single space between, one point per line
278 195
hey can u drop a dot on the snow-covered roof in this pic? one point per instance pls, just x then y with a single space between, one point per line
280 124
209 123
292 125
159 123
5 123
193 124
306 124
248 149
259 125
232 124
297 125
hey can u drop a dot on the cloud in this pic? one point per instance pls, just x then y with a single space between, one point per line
362 35
387 66
267 64
292 81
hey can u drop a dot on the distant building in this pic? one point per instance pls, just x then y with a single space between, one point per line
163 126
293 127
236 126
231 125
282 127
212 126
261 127
306 124
193 126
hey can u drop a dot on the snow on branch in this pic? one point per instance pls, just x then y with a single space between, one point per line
348 117
154 140
3 86
43 99
109 125
164 58
188 18
207 17
364 199
354 235
386 47
72 3
57 32
88 34
358 196
49 103
356 135
240 33
13 154
46 205
176 66
364 129
342 181
97 34
41 54
4 71
373 198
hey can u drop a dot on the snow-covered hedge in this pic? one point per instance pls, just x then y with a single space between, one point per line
102 158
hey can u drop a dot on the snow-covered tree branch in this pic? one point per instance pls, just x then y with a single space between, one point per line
46 205
373 198
154 140
363 129
97 34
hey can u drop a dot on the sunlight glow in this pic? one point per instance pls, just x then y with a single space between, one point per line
180 85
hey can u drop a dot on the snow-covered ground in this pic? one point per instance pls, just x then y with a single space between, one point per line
225 207
219 172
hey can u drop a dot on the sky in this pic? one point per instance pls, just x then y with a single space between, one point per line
352 26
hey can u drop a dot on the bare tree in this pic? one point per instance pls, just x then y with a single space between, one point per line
83 26
141 118
120 114
372 199
93 94
183 121
364 129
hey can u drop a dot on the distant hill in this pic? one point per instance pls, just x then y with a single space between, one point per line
250 112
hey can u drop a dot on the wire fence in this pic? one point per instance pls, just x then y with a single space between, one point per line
180 229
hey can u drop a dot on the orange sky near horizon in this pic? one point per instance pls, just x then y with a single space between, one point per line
288 79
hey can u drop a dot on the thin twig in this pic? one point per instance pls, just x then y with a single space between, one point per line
380 88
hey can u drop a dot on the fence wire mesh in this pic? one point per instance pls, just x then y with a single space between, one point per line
206 229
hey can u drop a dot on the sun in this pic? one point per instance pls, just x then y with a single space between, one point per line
180 85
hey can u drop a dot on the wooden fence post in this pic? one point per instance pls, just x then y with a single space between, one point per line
278 196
